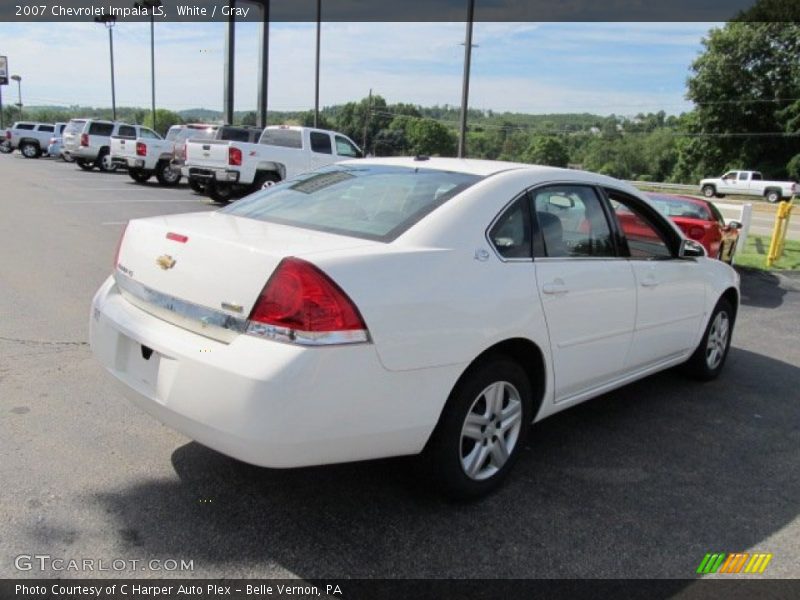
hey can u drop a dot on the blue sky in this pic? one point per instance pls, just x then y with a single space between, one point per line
603 68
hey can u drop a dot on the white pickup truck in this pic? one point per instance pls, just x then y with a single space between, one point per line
145 156
282 151
748 183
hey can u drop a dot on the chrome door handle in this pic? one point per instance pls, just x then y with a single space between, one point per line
554 288
649 282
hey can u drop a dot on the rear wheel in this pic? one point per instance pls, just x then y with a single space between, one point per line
86 165
197 186
167 175
707 361
139 175
709 191
30 150
265 180
772 196
5 148
482 429
220 192
67 158
105 163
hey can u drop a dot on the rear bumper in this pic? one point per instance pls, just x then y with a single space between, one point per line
82 152
210 173
265 402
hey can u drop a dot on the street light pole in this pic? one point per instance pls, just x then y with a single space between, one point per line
109 21
18 79
316 80
150 6
462 138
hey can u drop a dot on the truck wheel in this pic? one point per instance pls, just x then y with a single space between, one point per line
5 148
166 175
104 162
67 158
265 180
220 192
197 186
772 196
86 165
709 191
139 175
30 150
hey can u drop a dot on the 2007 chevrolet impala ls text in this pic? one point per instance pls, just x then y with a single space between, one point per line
399 306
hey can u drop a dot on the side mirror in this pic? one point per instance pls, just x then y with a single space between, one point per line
734 225
692 249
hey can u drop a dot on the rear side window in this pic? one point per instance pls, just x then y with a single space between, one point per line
25 126
345 148
127 131
74 126
47 128
375 202
511 234
321 143
104 129
285 138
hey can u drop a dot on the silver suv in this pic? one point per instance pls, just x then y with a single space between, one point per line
88 141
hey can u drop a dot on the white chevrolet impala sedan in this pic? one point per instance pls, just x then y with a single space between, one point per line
401 306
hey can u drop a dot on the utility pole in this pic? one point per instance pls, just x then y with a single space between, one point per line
109 21
316 79
462 138
366 122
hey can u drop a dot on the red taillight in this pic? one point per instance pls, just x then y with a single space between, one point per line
84 139
696 232
141 149
234 156
184 151
307 307
119 246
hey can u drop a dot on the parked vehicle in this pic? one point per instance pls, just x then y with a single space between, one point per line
748 183
5 142
145 156
281 152
396 306
88 141
701 221
231 133
56 145
30 138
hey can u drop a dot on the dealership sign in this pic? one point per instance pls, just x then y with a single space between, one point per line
3 70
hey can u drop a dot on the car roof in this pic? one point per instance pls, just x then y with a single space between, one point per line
471 166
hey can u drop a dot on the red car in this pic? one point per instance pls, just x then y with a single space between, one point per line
701 221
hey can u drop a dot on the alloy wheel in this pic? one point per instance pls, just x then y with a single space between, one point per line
717 342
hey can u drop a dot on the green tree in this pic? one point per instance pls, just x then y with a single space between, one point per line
164 120
547 150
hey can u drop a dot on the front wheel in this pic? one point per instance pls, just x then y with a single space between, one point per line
30 150
167 175
772 196
139 175
709 191
67 157
707 361
86 165
482 429
220 192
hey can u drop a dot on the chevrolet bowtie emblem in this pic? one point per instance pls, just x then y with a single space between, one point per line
165 261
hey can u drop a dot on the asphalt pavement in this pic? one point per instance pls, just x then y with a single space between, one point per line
639 483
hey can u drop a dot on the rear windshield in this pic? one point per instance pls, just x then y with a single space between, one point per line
233 134
673 206
74 126
179 134
373 202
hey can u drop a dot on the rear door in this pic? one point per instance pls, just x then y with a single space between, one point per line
588 293
670 291
321 149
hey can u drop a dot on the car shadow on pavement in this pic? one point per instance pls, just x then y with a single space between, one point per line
761 289
641 482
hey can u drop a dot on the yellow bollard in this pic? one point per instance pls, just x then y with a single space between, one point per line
779 232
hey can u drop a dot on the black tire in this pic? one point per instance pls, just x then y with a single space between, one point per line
449 448
68 158
30 150
709 191
166 175
104 163
221 193
699 365
139 175
265 179
772 196
197 186
5 148
84 164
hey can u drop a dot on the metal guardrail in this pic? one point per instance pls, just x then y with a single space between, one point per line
677 187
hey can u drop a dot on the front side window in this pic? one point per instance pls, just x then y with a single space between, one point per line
571 222
644 239
729 175
370 202
345 148
511 233
25 126
321 143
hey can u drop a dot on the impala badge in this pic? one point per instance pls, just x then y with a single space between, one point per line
165 261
